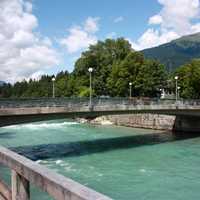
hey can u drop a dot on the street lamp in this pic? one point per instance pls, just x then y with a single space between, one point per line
176 78
161 93
178 92
90 71
130 89
53 81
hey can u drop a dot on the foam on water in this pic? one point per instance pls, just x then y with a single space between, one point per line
35 126
38 161
143 170
42 161
58 162
65 165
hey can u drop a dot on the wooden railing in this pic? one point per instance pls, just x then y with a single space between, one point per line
25 172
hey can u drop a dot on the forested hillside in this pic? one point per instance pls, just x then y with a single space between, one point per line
177 52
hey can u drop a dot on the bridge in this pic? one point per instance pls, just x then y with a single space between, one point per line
25 172
16 111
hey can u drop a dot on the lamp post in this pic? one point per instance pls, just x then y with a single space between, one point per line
178 92
90 71
161 93
53 81
176 78
130 89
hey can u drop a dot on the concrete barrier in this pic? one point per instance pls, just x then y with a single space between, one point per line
26 172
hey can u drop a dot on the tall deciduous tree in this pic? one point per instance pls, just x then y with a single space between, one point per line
151 78
123 72
189 79
147 77
101 57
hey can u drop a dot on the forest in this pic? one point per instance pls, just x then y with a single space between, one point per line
115 64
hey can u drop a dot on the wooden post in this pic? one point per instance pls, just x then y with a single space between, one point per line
2 197
20 187
5 191
25 171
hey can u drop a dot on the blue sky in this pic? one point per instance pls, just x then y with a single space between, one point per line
45 36
120 18
67 13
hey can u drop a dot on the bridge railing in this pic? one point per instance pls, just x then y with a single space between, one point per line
69 102
25 172
65 102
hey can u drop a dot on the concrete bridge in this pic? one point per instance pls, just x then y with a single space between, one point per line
15 111
25 172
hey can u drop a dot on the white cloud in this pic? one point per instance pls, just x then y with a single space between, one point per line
91 25
111 35
118 19
22 52
156 19
80 37
195 28
28 6
23 38
37 75
153 38
177 14
175 20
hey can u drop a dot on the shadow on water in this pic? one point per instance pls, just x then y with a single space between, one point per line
80 148
7 135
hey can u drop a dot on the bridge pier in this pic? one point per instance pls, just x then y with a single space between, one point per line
189 124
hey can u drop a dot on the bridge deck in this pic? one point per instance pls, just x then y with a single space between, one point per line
30 110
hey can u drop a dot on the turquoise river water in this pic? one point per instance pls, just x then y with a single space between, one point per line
123 163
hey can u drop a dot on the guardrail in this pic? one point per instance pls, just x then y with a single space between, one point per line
68 102
25 172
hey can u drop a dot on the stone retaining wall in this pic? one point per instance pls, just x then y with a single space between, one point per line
150 121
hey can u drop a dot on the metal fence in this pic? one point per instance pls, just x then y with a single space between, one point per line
67 102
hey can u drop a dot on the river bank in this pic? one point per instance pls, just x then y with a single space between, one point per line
147 121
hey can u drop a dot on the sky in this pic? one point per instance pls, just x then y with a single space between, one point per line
44 37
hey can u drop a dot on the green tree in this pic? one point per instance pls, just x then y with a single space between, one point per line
123 72
61 84
189 79
114 64
147 77
101 57
151 78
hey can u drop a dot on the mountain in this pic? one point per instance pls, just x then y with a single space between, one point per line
176 52
1 83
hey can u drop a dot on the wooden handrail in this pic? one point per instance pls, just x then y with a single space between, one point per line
5 191
25 171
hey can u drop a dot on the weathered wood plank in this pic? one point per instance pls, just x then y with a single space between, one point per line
20 187
2 197
58 186
5 191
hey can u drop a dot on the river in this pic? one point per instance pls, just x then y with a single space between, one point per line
123 163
